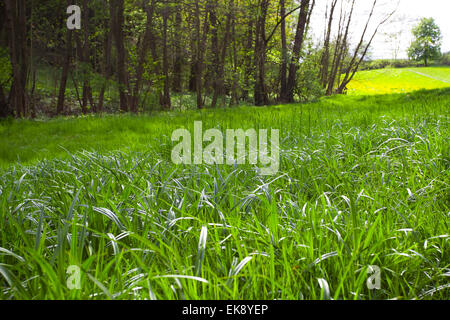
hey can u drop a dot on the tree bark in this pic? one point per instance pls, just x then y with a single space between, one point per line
118 8
248 60
107 68
142 55
324 65
65 71
298 42
201 44
178 64
219 79
87 91
16 13
166 103
284 58
260 94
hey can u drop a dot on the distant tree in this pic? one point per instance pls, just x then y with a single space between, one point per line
427 41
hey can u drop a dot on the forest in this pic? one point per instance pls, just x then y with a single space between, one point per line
133 56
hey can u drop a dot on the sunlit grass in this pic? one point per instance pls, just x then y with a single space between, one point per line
363 181
387 81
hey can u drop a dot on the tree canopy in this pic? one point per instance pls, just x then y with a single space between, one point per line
427 41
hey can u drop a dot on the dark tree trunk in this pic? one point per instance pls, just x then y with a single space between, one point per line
87 91
284 58
298 42
4 107
166 103
260 94
201 45
248 60
16 13
65 72
4 110
148 35
178 64
193 68
234 94
121 57
219 80
107 68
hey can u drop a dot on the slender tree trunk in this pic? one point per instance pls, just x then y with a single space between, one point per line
193 67
142 55
16 13
121 58
65 72
234 95
324 65
219 81
248 60
260 93
284 58
298 42
178 64
355 62
107 68
166 103
201 44
87 91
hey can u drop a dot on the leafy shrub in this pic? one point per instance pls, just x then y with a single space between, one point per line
390 63
5 68
445 60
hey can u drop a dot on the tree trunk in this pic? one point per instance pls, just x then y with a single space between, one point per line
142 55
121 58
248 60
234 95
298 42
201 43
166 103
107 68
260 93
283 71
65 72
15 11
87 92
4 110
219 80
178 64
324 65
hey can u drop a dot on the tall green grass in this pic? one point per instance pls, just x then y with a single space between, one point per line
363 181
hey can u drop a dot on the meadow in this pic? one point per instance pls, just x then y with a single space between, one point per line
387 81
364 181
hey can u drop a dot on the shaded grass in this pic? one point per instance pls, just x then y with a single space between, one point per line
26 141
363 181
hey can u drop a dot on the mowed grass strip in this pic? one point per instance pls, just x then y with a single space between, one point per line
364 181
388 81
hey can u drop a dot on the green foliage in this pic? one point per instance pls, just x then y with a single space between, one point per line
427 41
445 60
389 63
308 84
5 68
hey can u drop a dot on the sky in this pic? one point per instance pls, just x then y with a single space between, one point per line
394 37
